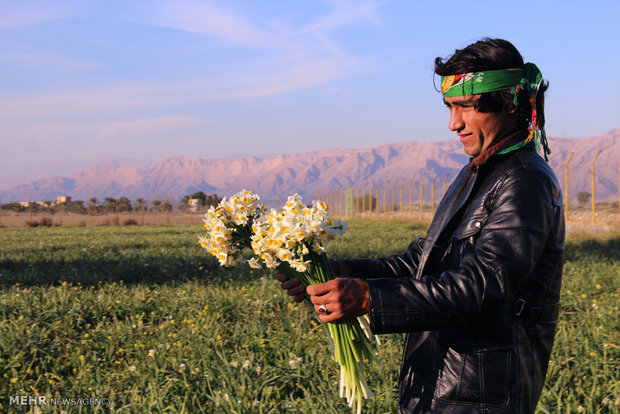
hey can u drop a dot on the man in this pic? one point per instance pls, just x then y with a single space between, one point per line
478 295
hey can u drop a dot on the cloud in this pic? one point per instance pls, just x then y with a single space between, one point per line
293 78
117 100
235 29
300 56
144 126
99 100
21 57
346 13
22 12
93 132
204 18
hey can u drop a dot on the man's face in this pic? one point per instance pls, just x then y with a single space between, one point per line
476 130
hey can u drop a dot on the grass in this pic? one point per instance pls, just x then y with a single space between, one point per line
143 318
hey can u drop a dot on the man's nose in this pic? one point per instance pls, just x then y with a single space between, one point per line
456 120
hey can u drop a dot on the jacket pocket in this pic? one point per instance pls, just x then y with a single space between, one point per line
469 227
463 239
480 378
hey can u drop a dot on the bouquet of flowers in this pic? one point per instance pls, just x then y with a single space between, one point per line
229 226
291 241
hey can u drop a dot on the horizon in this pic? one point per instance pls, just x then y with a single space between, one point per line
143 164
90 82
318 170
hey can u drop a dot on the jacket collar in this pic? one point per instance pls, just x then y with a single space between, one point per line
511 137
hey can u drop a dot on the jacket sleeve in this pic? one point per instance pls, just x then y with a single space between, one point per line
391 266
490 270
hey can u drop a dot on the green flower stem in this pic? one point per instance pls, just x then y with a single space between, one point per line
350 338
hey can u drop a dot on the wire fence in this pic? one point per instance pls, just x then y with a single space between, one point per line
417 196
590 189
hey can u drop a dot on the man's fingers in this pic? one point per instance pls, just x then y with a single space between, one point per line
321 289
296 290
290 283
318 300
281 277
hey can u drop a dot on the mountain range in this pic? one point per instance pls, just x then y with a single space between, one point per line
277 176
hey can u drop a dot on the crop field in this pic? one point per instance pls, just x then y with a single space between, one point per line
139 319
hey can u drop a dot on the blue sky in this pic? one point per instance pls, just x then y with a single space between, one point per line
83 82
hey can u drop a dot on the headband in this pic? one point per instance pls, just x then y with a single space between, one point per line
515 79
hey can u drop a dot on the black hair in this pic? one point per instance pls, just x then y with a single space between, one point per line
492 54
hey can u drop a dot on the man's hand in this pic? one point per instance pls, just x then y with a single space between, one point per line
294 287
342 297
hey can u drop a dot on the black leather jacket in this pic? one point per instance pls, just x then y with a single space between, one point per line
479 294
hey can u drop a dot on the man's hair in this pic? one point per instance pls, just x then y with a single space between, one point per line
492 54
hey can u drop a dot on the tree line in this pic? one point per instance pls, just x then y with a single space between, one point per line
113 205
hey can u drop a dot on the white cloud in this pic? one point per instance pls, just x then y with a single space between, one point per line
113 101
233 28
346 13
292 78
21 57
102 99
92 132
22 12
300 57
204 18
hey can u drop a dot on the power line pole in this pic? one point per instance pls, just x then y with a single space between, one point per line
594 188
570 157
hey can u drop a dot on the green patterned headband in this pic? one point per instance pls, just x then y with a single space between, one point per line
480 82
528 78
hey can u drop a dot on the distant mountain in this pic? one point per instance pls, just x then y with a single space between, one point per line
52 168
277 176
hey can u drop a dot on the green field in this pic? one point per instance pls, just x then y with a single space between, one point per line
143 318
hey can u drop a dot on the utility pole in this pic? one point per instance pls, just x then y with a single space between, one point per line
385 196
594 188
88 211
445 179
358 201
392 210
400 207
570 157
116 207
421 195
433 194
378 187
364 198
168 208
411 193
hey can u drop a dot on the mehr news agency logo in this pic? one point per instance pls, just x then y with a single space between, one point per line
43 400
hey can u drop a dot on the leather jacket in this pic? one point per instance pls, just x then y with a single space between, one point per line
478 296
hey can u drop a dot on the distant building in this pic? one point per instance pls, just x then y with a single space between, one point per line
194 204
28 204
63 199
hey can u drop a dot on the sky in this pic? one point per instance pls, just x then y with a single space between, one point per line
132 82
